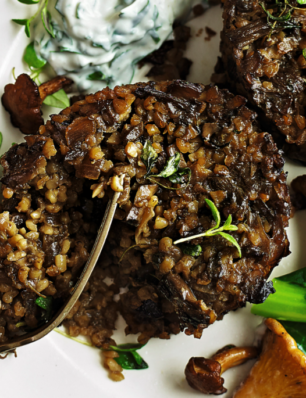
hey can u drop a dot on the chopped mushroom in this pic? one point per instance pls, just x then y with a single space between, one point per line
280 370
23 101
205 374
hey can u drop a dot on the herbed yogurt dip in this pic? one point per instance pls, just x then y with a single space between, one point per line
98 43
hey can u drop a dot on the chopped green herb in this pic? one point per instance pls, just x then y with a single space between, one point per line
77 10
32 59
57 100
29 1
178 177
68 50
1 139
191 250
14 143
171 166
304 52
216 230
141 14
46 20
96 76
171 171
149 156
46 304
285 17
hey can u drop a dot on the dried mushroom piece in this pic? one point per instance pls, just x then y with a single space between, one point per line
204 374
280 370
24 98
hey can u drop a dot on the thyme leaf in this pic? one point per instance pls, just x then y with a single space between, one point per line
216 230
149 156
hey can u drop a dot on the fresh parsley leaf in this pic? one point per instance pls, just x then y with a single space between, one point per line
131 361
1 139
304 49
46 20
232 240
96 76
191 250
171 166
215 212
29 1
32 59
148 156
25 23
57 100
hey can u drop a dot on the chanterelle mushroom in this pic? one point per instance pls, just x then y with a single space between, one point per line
280 370
205 374
23 100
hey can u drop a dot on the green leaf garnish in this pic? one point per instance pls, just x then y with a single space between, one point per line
148 156
1 139
191 250
171 166
29 1
46 20
178 177
128 347
216 230
171 171
46 303
131 361
301 1
128 357
32 59
57 100
304 50
25 23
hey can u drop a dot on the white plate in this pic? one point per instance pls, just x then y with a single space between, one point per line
57 365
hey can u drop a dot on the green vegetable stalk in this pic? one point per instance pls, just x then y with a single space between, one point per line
288 303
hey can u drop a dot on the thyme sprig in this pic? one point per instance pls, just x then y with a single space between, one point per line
216 230
282 20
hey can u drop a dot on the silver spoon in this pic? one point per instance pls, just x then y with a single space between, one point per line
78 288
